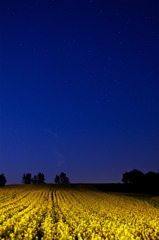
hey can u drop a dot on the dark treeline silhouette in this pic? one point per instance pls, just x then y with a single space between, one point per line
134 181
137 180
27 178
135 176
40 178
3 180
62 178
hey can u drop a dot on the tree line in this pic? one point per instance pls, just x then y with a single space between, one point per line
137 181
27 178
134 180
137 177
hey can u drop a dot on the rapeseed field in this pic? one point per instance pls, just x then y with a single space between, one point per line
56 212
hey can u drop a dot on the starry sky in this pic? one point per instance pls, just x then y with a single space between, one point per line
79 88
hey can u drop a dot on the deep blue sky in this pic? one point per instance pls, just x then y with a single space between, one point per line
79 88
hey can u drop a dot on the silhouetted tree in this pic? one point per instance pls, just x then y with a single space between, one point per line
125 178
57 179
26 179
62 178
3 180
40 178
34 179
151 178
135 176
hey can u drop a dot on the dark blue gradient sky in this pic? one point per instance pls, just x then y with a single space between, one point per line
79 88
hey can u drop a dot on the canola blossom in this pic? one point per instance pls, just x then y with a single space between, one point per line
61 212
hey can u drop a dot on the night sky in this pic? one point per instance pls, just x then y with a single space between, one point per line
79 88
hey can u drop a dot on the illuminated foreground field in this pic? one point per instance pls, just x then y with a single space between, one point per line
60 212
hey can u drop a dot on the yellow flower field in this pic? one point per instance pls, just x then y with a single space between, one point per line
46 212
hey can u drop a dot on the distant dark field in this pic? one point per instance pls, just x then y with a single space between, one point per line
120 187
109 187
